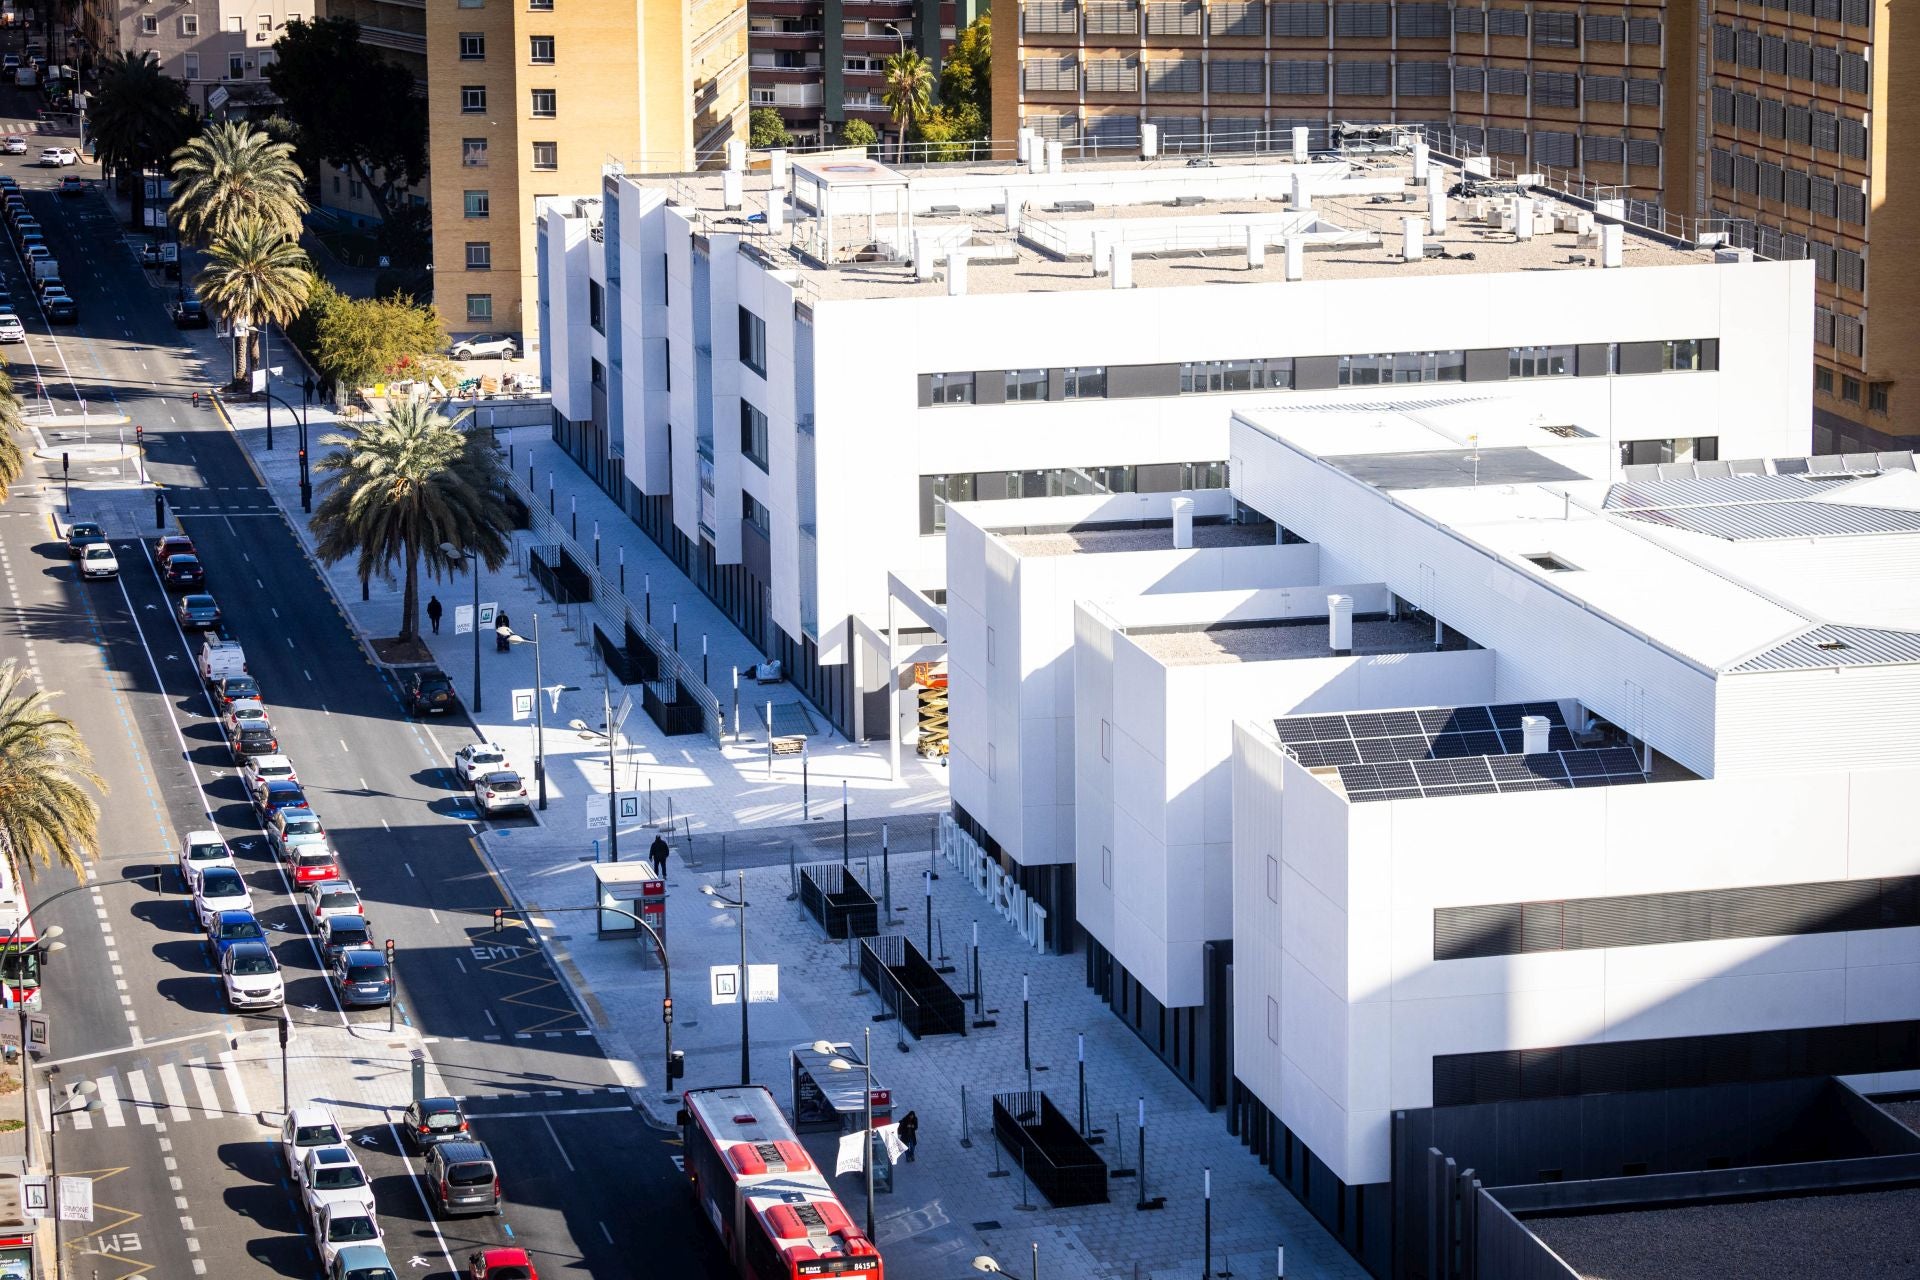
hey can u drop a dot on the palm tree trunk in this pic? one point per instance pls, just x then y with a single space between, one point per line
242 355
410 598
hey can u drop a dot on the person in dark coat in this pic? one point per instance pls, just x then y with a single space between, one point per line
910 1133
433 613
657 854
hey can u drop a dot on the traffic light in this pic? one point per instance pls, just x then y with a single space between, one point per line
139 435
499 919
676 1065
389 951
65 462
666 1010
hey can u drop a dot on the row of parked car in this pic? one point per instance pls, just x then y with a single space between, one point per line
43 271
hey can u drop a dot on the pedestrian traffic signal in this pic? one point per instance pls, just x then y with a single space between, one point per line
499 919
666 1009
389 950
139 433
676 1065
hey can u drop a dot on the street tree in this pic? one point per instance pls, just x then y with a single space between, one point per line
765 128
138 117
858 133
254 276
907 90
357 341
233 171
46 768
351 107
402 485
13 459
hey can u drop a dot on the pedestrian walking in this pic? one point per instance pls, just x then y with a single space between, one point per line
910 1133
657 854
433 613
502 630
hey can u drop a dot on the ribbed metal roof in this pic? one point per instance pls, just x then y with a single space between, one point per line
1723 489
1742 508
1835 646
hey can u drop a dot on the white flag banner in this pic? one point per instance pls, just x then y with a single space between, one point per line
523 704
890 1140
462 619
848 1159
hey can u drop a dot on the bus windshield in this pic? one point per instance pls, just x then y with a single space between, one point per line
20 968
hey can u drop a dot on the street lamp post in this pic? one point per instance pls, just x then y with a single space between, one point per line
539 716
866 1066
457 556
986 1262
80 1091
306 484
739 903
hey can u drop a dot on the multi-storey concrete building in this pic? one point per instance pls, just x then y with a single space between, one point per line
397 28
1783 117
209 45
819 62
532 98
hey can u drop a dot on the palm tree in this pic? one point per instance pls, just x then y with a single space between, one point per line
13 460
231 172
254 276
138 116
45 813
404 484
907 81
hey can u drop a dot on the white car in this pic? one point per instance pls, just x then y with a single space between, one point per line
219 889
331 1178
324 898
199 851
307 1129
248 713
98 561
259 769
476 758
14 144
337 1226
485 344
250 977
500 791
11 330
57 157
34 253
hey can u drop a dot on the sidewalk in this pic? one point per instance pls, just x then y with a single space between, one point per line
950 1205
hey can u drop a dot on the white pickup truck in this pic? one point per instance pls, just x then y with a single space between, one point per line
221 658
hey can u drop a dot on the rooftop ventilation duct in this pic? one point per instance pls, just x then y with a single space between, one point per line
1299 144
1296 258
1340 625
732 188
1037 156
1412 239
736 155
1436 203
1122 272
1102 252
1056 155
1302 192
1183 524
1012 210
1419 160
1613 242
776 209
1533 735
1149 141
777 166
1256 248
923 257
1522 218
1023 144
956 272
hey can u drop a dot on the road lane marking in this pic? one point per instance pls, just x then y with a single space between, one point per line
109 1098
235 1085
143 1109
201 1073
558 1145
176 1095
541 1115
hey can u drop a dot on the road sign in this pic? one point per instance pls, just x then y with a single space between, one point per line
37 1033
462 619
76 1199
489 610
629 808
217 99
725 983
523 704
34 1194
596 813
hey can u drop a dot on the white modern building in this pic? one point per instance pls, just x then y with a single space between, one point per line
786 374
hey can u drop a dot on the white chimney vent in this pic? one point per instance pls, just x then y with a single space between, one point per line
776 209
777 166
1419 160
1436 205
1037 156
956 272
1523 219
1056 155
1302 192
1183 524
1014 208
1412 230
1022 144
736 155
1149 141
923 257
1122 272
1299 144
1340 625
732 187
1256 248
1533 734
1102 251
1613 243
1296 258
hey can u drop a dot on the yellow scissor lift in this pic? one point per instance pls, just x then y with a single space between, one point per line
930 686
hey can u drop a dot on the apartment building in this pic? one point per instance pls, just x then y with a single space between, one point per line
786 376
1781 117
397 28
531 98
220 49
819 62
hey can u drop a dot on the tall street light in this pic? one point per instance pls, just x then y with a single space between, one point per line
738 903
986 1263
539 692
456 556
306 484
79 1098
837 1063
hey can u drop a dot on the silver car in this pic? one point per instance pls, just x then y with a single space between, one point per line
482 345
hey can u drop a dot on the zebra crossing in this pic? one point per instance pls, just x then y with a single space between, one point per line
173 1091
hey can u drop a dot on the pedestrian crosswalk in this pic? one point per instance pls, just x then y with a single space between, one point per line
171 1091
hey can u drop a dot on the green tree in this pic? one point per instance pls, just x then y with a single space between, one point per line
138 116
966 77
402 486
254 276
357 341
351 107
765 128
231 172
13 459
907 90
45 768
858 133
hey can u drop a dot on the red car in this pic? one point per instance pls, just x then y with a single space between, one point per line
170 545
500 1264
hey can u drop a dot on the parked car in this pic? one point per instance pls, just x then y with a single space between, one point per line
198 611
500 1264
430 692
341 1226
331 1176
431 1121
345 933
230 929
306 1129
268 797
168 545
236 689
218 889
289 830
361 977
189 313
476 758
57 157
98 561
462 1178
61 310
199 851
71 186
482 345
324 898
11 330
253 741
267 769
311 862
501 792
82 532
183 572
246 714
14 144
250 977
361 1262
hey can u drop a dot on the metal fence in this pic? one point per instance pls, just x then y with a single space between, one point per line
834 896
567 575
1061 1164
909 989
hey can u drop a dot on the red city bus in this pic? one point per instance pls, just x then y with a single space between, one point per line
20 957
776 1215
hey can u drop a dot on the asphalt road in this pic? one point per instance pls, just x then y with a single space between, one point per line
189 1182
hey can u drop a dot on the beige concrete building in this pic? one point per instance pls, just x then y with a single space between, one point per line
1781 116
210 45
533 98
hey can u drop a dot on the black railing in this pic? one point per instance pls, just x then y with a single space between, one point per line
1060 1163
909 989
834 896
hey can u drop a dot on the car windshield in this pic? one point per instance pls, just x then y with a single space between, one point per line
355 1226
316 1135
304 824
257 713
370 1273
273 771
100 551
338 1177
254 963
206 852
448 1119
219 882
235 690
248 930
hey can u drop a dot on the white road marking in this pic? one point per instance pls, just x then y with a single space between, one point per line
142 1100
558 1146
235 1085
200 1071
176 1095
108 1096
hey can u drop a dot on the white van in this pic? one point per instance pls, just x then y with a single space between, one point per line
98 561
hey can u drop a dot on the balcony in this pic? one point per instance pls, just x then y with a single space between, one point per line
390 38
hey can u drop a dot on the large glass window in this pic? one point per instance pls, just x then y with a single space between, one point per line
480 308
1086 382
597 307
546 104
1054 482
1026 384
1540 362
473 99
953 388
1205 376
478 204
753 435
1681 354
753 342
755 513
540 49
473 46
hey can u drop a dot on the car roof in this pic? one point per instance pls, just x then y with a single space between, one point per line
251 949
313 1115
244 704
204 837
259 761
504 1257
460 1151
236 916
363 959
282 784
183 555
331 1153
363 1255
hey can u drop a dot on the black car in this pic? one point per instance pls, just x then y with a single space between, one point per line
430 693
254 741
62 311
183 573
198 612
345 933
431 1121
188 313
80 533
233 689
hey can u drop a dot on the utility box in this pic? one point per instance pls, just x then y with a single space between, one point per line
623 889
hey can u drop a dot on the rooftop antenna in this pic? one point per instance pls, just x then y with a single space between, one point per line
1473 453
